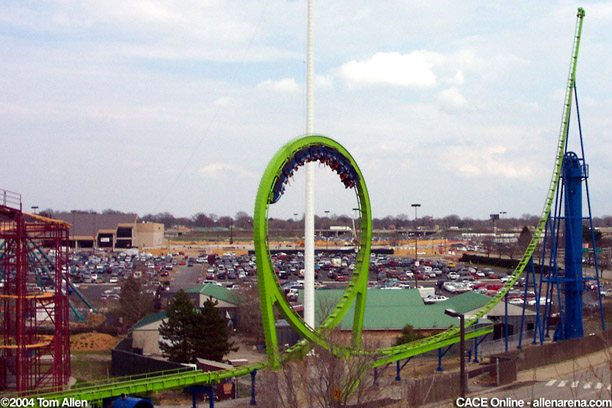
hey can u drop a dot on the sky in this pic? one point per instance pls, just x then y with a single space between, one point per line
179 105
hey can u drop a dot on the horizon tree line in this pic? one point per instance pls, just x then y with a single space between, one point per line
242 220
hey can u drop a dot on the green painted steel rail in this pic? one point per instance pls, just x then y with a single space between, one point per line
140 386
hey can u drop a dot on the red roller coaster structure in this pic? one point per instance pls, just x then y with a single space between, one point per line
35 345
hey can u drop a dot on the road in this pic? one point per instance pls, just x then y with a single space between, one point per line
186 277
584 384
586 378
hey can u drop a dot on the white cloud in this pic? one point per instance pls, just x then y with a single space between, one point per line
412 70
458 78
451 99
323 82
487 161
224 170
285 85
223 101
182 83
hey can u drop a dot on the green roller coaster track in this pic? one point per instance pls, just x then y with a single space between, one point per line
270 292
271 295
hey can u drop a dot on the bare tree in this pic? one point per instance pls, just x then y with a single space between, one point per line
322 379
340 382
281 388
249 312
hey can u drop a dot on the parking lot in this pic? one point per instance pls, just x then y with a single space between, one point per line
99 276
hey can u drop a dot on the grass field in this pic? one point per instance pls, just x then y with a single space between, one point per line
90 365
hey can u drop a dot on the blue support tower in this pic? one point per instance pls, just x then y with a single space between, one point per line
562 292
573 174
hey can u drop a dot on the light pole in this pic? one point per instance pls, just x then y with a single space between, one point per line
416 246
326 237
72 229
453 313
296 235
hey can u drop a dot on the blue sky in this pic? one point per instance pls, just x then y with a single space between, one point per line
152 106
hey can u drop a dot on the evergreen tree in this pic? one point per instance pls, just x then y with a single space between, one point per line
212 333
191 333
176 331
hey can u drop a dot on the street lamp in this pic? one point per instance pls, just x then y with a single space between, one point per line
453 313
326 238
72 229
231 231
296 236
416 246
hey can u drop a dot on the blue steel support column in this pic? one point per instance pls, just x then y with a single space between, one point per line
397 371
253 374
439 360
211 396
573 173
475 350
506 321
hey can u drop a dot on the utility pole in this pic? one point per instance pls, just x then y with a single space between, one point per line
416 246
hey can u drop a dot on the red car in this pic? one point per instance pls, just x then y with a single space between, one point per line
341 278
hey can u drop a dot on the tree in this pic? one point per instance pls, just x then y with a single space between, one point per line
134 303
243 220
250 312
176 330
524 238
212 333
586 234
408 335
190 333
203 220
225 221
323 379
488 245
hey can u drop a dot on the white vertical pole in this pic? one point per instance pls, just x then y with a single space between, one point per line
309 247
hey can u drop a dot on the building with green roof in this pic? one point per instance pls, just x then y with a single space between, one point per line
387 311
145 333
228 299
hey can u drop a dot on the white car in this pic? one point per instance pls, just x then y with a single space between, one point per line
434 299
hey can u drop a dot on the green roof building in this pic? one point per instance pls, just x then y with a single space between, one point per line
389 311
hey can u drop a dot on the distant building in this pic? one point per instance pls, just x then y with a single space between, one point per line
110 231
149 234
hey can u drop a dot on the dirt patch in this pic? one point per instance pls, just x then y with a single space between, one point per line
92 342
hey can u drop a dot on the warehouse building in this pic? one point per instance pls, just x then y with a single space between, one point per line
111 231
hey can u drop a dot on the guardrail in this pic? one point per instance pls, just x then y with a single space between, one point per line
10 199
